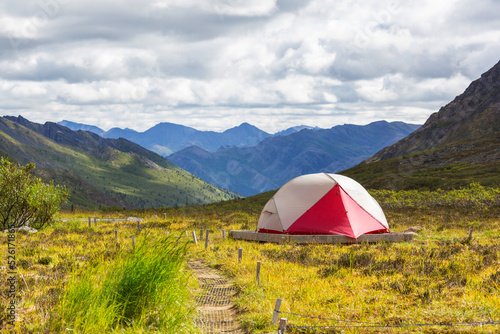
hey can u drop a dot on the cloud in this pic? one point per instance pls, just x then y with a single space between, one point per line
215 64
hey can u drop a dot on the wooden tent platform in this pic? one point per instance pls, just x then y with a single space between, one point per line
320 239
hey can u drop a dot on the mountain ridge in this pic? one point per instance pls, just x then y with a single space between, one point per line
275 160
166 138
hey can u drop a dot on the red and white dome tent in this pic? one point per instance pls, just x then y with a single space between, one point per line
322 204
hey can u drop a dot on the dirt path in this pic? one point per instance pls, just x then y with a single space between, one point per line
216 311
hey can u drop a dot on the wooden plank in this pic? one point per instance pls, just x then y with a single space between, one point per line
320 239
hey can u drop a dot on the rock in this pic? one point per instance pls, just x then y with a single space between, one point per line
26 229
134 219
412 229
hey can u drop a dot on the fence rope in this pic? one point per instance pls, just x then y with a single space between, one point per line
330 319
365 324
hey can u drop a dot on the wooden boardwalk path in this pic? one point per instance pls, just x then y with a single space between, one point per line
216 311
320 238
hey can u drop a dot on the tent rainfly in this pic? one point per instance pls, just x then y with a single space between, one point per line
322 204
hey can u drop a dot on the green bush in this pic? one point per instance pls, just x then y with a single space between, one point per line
25 199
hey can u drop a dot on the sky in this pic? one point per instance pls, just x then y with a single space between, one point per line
214 64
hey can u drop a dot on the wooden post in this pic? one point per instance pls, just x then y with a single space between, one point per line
133 241
258 273
276 312
201 234
206 240
240 254
139 225
282 327
223 234
194 238
165 215
90 222
469 238
116 235
95 221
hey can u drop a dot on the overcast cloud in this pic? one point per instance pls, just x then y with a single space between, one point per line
213 64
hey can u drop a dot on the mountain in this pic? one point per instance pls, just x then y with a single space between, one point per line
79 126
102 172
275 160
457 145
473 115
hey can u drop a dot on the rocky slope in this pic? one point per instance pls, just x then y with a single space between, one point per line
457 145
473 115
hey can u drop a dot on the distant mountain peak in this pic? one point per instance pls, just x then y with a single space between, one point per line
296 128
246 125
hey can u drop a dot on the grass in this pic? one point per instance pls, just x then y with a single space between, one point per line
142 290
76 277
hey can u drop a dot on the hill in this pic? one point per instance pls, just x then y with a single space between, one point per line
102 172
457 145
276 160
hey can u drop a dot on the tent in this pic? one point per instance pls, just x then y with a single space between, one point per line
322 204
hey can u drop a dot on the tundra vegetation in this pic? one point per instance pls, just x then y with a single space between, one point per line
81 279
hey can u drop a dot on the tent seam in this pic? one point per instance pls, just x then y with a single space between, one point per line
343 206
378 221
278 213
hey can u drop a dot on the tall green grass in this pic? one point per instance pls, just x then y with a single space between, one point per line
143 290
